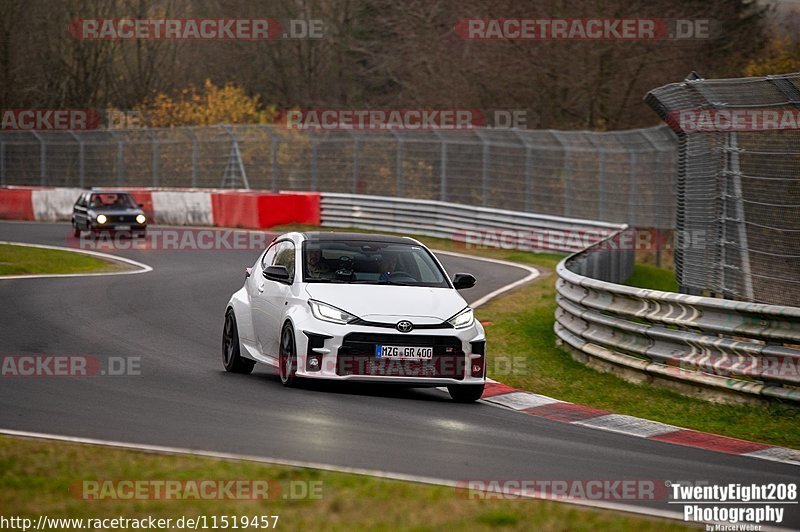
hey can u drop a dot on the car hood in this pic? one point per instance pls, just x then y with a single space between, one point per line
390 303
116 211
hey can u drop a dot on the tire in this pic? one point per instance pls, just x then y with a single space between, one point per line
465 393
287 357
75 231
231 354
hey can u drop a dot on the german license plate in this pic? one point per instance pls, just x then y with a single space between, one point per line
123 228
403 352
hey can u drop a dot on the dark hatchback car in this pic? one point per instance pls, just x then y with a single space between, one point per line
112 211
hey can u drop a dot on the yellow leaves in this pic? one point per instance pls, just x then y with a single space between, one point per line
211 105
782 57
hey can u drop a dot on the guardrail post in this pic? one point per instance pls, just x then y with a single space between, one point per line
42 159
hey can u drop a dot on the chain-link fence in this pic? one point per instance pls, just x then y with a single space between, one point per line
738 210
623 177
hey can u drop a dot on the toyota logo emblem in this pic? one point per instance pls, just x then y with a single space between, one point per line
404 326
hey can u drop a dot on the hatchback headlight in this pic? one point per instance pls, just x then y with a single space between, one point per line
325 312
463 319
140 219
101 218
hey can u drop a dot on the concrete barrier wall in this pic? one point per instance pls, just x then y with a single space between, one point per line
221 208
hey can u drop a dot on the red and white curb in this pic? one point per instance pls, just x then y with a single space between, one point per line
499 394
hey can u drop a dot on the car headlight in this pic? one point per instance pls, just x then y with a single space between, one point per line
463 319
101 218
325 312
140 219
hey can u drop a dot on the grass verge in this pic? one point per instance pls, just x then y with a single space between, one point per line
521 329
24 260
40 477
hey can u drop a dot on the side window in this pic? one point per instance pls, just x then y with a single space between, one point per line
266 260
81 200
285 257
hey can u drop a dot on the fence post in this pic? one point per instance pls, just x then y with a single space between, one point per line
601 177
81 159
485 154
155 169
120 159
398 170
42 159
442 168
567 155
2 163
734 173
314 156
195 155
528 168
356 153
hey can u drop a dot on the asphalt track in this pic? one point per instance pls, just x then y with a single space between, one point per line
172 319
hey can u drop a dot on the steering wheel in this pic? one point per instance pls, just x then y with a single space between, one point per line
402 275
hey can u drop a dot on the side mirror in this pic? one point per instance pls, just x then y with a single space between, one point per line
463 280
141 205
277 273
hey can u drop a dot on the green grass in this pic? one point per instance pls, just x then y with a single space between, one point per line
24 260
648 276
520 324
40 477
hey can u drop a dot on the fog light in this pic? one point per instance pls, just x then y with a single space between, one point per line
313 363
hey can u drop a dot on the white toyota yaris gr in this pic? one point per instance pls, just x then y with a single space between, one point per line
357 307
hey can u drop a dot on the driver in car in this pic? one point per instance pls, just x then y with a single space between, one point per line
388 266
315 265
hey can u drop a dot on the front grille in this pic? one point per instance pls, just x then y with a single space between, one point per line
357 356
121 218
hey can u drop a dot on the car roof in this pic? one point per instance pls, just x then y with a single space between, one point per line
102 191
347 236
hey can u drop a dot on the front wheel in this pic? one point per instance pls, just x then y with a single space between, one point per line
465 393
287 358
231 354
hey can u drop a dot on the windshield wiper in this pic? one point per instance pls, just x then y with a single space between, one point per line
381 282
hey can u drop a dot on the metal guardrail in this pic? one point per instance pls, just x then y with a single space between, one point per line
737 347
479 226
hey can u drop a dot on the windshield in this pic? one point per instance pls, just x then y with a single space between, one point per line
112 201
368 262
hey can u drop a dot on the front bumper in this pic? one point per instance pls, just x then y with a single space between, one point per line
347 352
